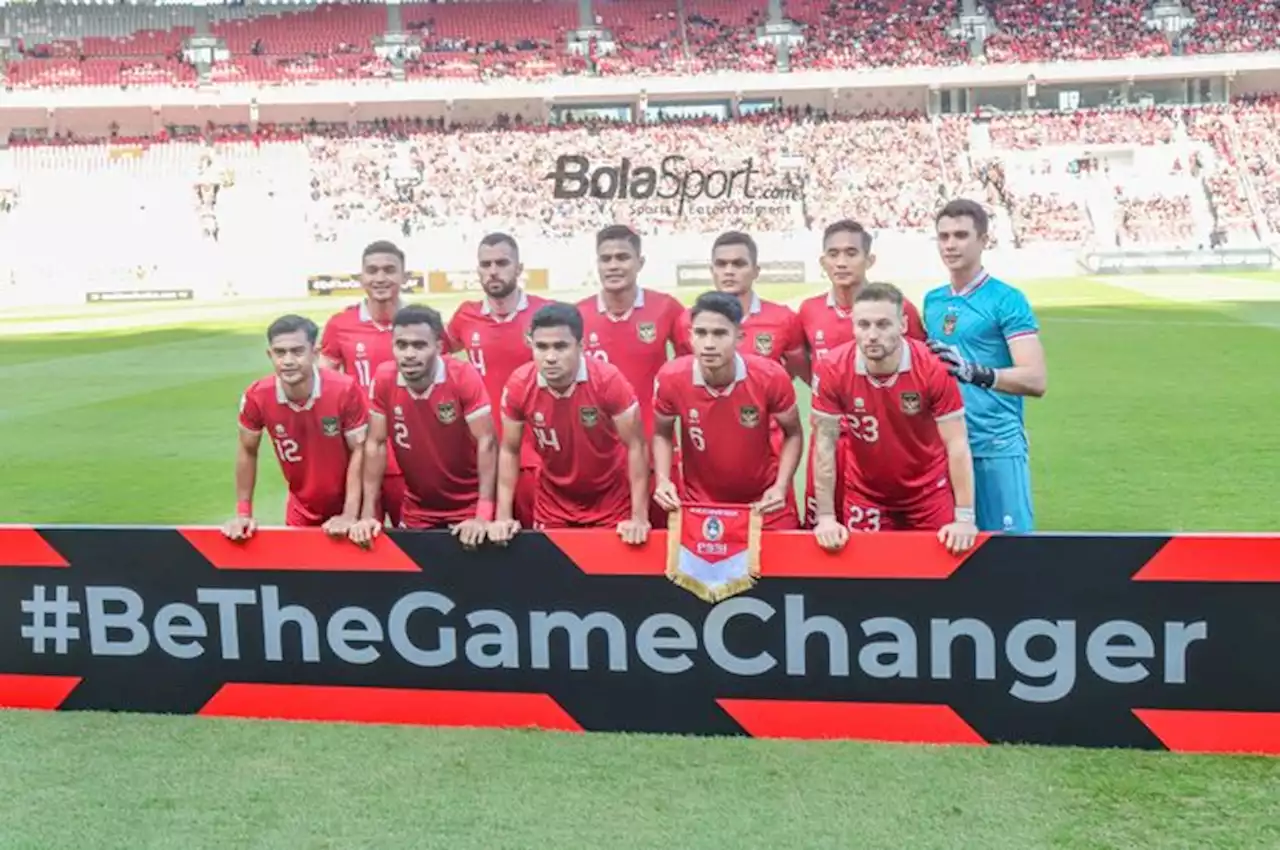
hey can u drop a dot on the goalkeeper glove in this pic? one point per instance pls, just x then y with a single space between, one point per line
964 371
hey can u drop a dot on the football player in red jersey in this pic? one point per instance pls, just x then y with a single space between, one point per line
586 424
494 333
357 341
316 419
827 320
909 466
435 413
725 401
768 329
629 326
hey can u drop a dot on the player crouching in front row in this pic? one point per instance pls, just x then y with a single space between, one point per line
726 403
909 467
587 431
316 419
436 414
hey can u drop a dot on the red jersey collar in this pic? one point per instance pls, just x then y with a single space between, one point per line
636 305
523 304
580 378
739 375
904 365
282 398
366 316
440 376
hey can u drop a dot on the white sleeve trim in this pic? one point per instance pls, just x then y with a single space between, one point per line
478 412
955 414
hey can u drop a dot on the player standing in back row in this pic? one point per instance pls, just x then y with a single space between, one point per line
827 321
768 329
629 326
985 331
357 341
494 333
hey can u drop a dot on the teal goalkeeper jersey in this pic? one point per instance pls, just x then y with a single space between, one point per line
980 321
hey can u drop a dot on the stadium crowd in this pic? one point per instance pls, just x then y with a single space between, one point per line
890 170
67 45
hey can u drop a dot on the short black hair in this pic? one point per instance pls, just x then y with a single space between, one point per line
382 246
499 238
847 225
885 292
736 237
292 324
962 208
618 232
721 303
557 314
419 314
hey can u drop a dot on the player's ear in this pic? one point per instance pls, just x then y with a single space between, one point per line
871 261
640 264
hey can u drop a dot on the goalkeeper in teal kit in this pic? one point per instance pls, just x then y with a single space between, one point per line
985 332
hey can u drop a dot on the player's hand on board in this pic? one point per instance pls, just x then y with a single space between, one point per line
958 537
831 534
666 496
470 532
338 526
634 531
774 499
364 531
239 528
501 531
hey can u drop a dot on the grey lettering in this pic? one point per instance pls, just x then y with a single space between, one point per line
130 620
354 624
274 619
499 648
1177 638
228 626
1059 668
943 633
650 643
1101 648
398 629
175 621
800 628
578 630
713 636
902 648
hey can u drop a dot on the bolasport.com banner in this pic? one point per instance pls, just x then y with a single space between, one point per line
1154 642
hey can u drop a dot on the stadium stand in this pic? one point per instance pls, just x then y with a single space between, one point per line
138 45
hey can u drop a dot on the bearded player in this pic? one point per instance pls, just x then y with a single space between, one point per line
768 329
725 402
316 420
827 320
435 413
586 425
909 466
357 341
494 334
629 326
985 331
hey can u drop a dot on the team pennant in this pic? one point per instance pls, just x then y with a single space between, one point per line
713 551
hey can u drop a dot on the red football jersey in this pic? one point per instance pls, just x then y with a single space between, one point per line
897 458
635 342
726 451
310 439
358 345
583 478
496 346
768 330
826 325
430 435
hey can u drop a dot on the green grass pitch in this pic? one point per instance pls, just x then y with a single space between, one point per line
1161 415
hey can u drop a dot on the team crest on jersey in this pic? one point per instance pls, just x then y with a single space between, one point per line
749 416
764 344
647 332
910 403
589 416
949 322
329 425
447 412
280 430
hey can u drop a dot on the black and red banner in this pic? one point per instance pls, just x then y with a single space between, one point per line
1159 642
